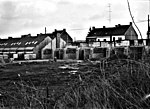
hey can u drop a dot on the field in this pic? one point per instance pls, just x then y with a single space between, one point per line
109 84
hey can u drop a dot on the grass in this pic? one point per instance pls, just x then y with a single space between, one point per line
115 84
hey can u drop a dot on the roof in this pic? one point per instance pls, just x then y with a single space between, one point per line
64 35
32 41
6 43
28 40
115 31
24 41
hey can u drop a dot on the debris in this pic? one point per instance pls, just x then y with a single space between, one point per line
80 77
55 59
67 67
147 96
73 72
19 75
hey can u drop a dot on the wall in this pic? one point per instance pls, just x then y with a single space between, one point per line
62 43
108 38
117 37
52 45
84 53
136 52
71 53
103 37
38 49
131 34
98 53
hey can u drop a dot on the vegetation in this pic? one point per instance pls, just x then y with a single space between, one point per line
111 84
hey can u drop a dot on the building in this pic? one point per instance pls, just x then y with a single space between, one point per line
59 40
34 47
119 32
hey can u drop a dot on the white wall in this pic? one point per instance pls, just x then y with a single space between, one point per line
116 37
62 43
103 37
108 38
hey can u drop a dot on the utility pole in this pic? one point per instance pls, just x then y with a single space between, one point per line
109 19
148 32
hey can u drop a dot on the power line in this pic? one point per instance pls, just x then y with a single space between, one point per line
133 19
141 21
78 29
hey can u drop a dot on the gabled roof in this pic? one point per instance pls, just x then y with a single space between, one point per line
114 31
64 35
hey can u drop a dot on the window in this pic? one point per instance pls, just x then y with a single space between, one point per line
47 51
113 38
35 42
119 38
26 43
70 50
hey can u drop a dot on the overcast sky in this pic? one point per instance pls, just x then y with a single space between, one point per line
18 17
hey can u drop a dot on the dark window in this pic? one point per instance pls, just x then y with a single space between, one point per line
148 42
47 51
99 50
113 38
70 50
131 42
119 38
140 41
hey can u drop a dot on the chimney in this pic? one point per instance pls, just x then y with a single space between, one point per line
93 28
29 35
9 37
104 27
130 23
119 25
90 29
64 30
39 34
116 25
55 30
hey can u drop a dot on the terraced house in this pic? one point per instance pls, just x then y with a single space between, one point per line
34 47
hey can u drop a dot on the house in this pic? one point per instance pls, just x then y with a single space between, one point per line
25 45
7 46
59 40
31 46
2 45
119 32
35 47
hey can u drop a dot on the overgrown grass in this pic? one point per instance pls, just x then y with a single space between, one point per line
113 84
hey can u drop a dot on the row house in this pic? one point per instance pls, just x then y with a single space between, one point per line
34 47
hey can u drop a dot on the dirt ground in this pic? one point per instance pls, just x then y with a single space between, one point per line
47 77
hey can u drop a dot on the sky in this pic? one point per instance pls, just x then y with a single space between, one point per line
19 17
